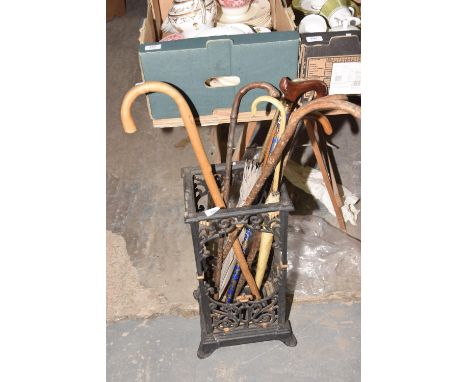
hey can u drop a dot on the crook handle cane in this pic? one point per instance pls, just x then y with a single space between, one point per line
187 117
282 112
266 239
192 131
273 92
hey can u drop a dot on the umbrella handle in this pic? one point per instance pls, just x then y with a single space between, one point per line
197 145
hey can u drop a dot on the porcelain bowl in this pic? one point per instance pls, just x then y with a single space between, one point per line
234 7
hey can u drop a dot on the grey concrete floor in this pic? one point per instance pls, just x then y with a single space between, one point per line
164 349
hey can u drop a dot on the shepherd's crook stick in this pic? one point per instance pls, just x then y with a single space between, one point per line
197 145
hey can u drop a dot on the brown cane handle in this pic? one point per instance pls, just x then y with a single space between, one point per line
292 90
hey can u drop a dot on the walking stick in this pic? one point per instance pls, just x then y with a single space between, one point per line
254 245
273 92
220 259
266 239
249 177
197 145
292 90
322 104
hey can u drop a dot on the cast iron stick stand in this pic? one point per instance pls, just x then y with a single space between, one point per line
243 321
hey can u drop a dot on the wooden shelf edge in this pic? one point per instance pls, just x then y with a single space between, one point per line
218 117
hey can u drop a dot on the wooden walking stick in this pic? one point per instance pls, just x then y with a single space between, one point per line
272 91
292 91
249 177
197 145
322 104
333 194
254 245
266 239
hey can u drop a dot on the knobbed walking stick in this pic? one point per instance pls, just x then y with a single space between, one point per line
322 104
197 145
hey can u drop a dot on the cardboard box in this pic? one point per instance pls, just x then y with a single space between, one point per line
333 57
188 64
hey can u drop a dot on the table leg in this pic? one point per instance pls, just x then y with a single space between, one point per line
214 138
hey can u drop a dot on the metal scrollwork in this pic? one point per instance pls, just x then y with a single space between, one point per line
217 228
200 190
247 314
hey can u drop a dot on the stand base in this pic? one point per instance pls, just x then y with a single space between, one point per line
210 343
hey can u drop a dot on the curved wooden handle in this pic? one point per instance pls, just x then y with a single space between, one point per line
152 87
273 92
282 111
326 125
274 102
189 122
292 90
197 145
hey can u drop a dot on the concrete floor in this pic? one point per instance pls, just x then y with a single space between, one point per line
164 349
150 265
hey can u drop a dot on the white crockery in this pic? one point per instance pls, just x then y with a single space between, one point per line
312 24
231 29
235 12
343 15
190 16
261 29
